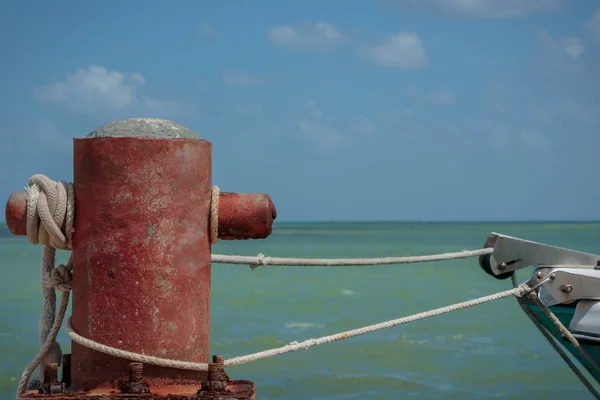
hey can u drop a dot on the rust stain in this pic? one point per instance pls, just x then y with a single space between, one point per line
160 389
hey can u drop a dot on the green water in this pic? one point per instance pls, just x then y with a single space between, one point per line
486 352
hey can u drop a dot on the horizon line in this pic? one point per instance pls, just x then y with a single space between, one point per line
445 221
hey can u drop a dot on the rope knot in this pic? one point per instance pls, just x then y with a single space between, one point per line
523 290
61 278
50 210
260 260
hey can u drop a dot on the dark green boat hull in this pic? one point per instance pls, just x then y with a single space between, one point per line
565 313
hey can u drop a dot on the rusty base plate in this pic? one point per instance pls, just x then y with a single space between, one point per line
235 390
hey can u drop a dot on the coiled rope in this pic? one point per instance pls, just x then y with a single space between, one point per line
50 212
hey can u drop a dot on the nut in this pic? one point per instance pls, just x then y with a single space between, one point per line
567 288
51 383
216 378
135 384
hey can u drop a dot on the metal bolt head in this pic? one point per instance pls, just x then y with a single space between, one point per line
567 288
502 266
552 276
218 359
539 275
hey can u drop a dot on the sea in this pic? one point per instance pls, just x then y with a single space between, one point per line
489 351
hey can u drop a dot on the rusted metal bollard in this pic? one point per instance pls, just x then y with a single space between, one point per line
141 252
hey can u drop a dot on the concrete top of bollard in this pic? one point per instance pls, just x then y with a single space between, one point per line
144 127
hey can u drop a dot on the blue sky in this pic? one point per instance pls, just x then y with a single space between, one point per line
354 110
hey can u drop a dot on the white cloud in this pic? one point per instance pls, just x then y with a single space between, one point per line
92 87
325 136
485 8
593 25
328 134
241 78
573 47
567 48
97 88
320 35
318 131
402 50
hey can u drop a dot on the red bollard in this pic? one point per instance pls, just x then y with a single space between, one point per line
141 249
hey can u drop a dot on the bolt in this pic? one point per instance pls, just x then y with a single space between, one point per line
218 359
51 384
135 384
51 373
216 378
502 266
215 372
567 288
136 372
539 275
552 276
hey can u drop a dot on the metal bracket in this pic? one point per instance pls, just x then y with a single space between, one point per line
561 285
511 254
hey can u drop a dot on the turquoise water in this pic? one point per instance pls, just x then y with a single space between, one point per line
485 352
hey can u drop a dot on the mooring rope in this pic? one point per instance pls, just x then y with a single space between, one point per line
39 359
50 214
261 260
293 346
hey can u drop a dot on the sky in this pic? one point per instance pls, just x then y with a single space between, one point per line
431 110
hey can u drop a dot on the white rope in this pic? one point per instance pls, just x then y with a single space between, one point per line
128 355
214 215
50 213
46 347
261 260
294 346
